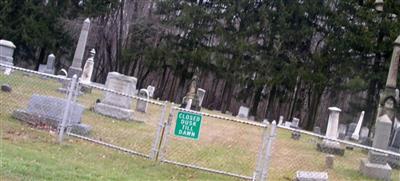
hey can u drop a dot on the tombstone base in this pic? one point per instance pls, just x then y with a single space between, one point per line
311 176
331 148
376 171
81 129
114 111
34 119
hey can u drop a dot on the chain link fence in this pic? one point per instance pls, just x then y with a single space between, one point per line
298 154
120 120
219 144
224 145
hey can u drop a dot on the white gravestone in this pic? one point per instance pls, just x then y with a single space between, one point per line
356 133
115 105
328 145
151 90
295 123
88 68
364 133
280 120
7 52
201 93
342 129
243 112
49 67
142 105
288 124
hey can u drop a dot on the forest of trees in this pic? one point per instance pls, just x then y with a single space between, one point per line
278 57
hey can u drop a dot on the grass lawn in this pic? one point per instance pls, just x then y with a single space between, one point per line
30 154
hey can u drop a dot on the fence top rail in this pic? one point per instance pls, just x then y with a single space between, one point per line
35 72
340 141
123 94
224 118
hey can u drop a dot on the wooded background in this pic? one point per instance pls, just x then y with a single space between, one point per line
278 57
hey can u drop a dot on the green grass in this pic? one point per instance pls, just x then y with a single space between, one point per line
29 154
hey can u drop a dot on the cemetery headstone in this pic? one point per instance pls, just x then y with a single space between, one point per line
49 67
329 159
350 130
191 100
328 145
7 52
243 112
46 110
342 131
364 133
151 90
317 130
76 67
88 68
356 133
288 124
295 123
201 93
280 120
311 176
115 105
141 105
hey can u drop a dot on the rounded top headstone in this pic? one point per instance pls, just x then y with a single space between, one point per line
7 43
336 109
52 56
87 20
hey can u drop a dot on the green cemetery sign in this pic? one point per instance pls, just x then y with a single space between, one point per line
188 125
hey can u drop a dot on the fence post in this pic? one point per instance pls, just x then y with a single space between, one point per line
160 129
267 159
167 127
71 91
260 159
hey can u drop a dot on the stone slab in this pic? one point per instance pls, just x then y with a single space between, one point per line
81 129
114 111
311 176
330 149
376 171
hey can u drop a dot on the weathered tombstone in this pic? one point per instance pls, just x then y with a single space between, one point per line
288 124
49 67
329 159
151 90
328 145
311 176
350 130
356 133
342 131
7 52
46 110
88 68
364 133
376 166
76 67
243 112
201 93
142 105
191 100
317 130
114 105
295 123
280 120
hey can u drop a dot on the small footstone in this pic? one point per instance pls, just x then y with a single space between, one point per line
329 159
6 88
311 176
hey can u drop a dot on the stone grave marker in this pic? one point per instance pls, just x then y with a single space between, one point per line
50 111
7 52
88 68
201 93
364 133
142 105
295 123
288 124
342 131
317 130
49 67
151 90
280 120
311 176
115 105
350 130
328 145
356 134
243 112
